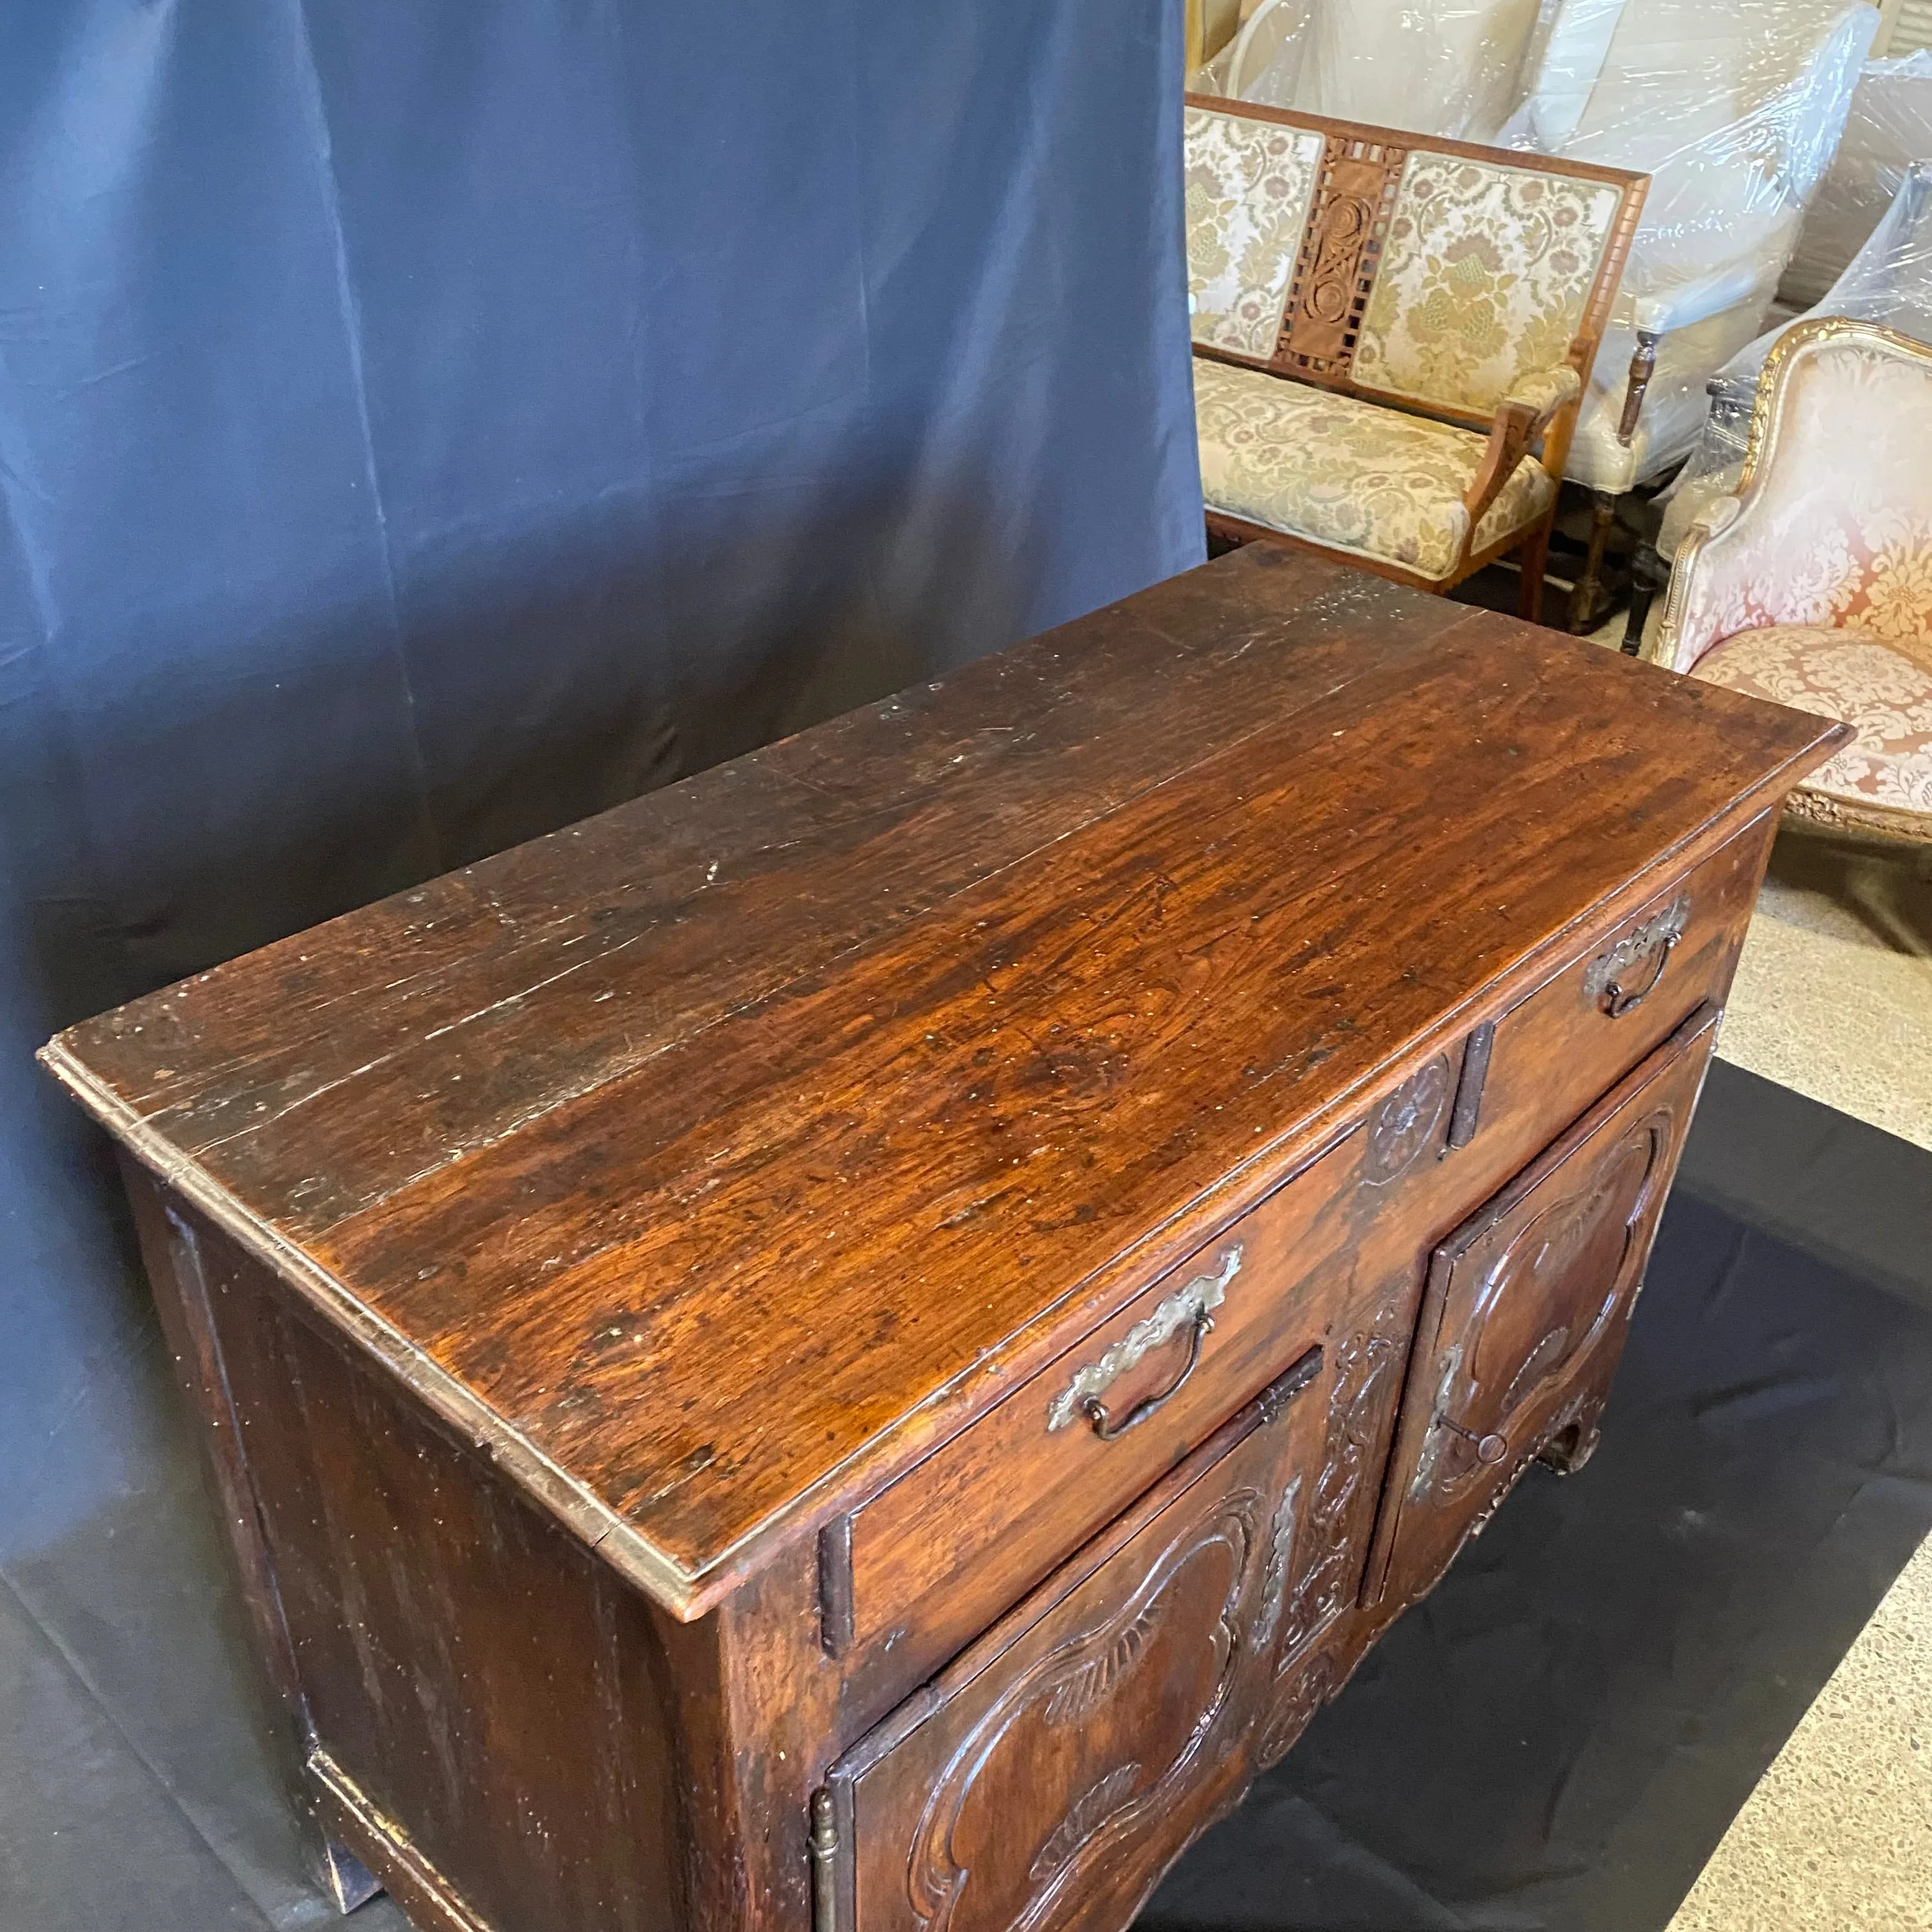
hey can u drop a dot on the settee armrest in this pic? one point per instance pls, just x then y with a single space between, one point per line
1701 574
1521 418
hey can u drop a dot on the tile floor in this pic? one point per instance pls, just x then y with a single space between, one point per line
1838 1835
1833 993
1833 997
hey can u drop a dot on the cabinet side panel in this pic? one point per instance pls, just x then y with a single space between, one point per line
485 1686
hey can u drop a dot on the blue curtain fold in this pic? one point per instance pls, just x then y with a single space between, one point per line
422 426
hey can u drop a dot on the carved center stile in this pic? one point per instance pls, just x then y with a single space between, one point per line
1331 287
1340 249
1324 1582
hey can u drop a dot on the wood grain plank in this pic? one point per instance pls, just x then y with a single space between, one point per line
459 1012
860 1190
721 1153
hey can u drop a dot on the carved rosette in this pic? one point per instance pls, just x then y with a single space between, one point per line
1408 1121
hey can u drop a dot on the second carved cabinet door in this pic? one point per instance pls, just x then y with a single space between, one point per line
1524 1317
1046 1778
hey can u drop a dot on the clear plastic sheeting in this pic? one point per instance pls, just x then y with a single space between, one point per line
1736 111
1890 128
1262 63
1889 282
1450 69
1735 108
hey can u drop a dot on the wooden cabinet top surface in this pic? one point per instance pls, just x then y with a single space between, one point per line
708 1159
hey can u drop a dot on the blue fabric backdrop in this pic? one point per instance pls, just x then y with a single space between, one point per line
421 426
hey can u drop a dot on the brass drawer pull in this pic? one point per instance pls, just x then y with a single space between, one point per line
1095 1410
1605 979
1190 1306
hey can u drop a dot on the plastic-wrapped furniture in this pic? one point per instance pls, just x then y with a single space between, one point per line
1451 69
1890 284
1813 585
1391 336
1889 129
1735 108
1263 62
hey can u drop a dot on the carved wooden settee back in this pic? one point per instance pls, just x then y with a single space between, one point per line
1435 275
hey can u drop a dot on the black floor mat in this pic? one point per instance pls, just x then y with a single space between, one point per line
1556 1739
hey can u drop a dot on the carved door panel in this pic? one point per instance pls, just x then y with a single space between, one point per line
1058 1765
1525 1315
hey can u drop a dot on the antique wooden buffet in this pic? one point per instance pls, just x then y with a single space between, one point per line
857 1342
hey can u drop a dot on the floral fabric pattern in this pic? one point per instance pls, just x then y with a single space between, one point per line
1353 475
1249 186
1484 277
1853 675
1837 530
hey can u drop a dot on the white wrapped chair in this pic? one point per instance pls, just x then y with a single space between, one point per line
1735 108
1447 68
1450 69
1888 134
1813 585
1888 283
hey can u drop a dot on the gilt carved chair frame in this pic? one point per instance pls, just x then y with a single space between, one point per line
1726 522
1333 279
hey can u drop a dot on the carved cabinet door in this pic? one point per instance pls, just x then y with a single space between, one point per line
1048 1776
1524 1317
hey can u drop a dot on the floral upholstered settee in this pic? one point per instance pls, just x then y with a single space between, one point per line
1813 585
1391 336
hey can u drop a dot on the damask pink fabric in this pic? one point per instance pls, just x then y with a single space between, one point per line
1837 530
1851 675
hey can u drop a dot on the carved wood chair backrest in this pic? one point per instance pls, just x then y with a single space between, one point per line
1436 275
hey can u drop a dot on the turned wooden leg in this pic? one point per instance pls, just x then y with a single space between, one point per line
1535 560
1643 366
1589 586
1648 575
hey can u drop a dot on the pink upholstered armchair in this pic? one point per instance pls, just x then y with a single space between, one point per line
1813 585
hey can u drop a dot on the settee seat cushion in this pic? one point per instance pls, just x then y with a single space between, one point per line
1882 688
1353 476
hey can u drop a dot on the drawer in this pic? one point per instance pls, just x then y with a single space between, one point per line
1047 1777
929 1562
1555 1052
1524 1317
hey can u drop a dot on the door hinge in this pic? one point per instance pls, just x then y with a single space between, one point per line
824 1861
